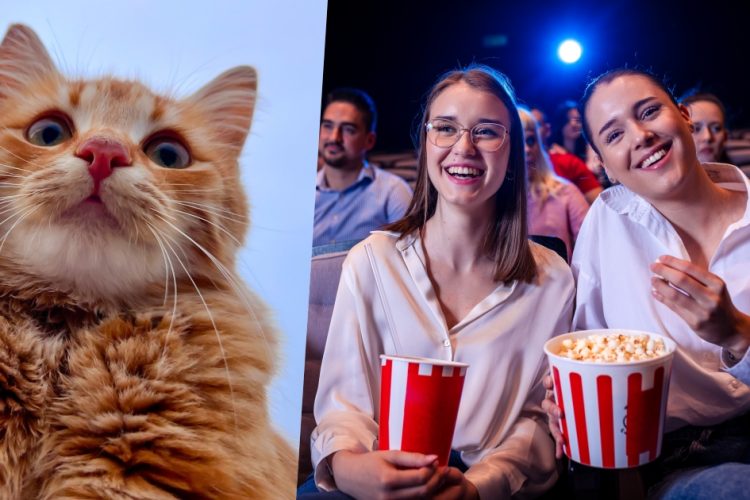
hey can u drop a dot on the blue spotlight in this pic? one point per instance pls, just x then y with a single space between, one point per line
569 51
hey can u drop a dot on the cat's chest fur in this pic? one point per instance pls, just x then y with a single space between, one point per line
77 383
122 395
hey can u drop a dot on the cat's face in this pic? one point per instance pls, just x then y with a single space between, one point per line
110 190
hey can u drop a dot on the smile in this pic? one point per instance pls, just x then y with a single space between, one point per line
462 172
650 162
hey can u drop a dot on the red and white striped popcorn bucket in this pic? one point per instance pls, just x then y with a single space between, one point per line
419 399
613 412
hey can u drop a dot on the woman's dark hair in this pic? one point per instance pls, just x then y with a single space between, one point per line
558 121
695 95
608 77
505 239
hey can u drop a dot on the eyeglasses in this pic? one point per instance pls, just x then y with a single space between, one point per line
485 136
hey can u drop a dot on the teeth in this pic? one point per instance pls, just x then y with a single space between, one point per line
653 158
472 172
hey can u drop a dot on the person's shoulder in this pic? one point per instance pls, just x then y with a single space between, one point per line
565 186
567 159
616 199
551 267
390 178
379 243
545 256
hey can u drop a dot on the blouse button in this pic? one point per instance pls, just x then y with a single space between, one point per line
447 343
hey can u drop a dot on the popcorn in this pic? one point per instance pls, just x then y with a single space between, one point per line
613 348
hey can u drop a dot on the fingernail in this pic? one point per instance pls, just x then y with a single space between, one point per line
432 458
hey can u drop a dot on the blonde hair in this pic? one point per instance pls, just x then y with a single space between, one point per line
542 180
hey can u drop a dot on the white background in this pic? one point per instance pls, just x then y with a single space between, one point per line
180 46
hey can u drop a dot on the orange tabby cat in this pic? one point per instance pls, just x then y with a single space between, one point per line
133 362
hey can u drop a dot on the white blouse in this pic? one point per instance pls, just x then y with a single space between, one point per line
621 236
386 305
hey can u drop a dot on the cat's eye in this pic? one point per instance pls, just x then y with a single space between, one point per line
49 131
168 153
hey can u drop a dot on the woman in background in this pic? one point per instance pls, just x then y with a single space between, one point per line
709 126
555 206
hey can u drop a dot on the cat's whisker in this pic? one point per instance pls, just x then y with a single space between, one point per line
214 224
20 218
7 209
19 157
213 323
13 174
168 267
233 281
16 212
13 167
164 256
219 212
194 190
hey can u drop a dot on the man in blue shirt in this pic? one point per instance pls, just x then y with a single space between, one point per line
352 197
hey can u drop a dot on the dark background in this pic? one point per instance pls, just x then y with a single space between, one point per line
395 50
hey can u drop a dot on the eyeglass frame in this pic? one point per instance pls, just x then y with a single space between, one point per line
429 126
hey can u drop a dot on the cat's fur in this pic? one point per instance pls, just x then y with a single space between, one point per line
118 379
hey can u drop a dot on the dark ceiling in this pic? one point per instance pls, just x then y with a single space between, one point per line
396 49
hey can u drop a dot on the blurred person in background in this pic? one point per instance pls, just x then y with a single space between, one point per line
555 206
708 115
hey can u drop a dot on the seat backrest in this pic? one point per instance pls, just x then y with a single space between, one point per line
553 243
325 272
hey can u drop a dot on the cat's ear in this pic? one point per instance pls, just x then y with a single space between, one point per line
228 102
23 59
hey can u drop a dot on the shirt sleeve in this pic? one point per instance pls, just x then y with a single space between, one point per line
524 463
344 404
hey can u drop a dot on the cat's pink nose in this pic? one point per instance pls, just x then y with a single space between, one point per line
103 155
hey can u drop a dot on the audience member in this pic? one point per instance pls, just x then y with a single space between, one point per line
709 126
455 279
555 206
567 134
667 251
568 165
352 196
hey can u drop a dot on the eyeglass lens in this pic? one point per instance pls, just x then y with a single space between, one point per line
486 136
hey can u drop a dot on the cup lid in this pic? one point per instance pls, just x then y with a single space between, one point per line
429 361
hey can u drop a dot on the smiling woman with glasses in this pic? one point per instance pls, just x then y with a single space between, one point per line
455 279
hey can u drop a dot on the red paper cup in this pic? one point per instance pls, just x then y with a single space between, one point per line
613 412
419 401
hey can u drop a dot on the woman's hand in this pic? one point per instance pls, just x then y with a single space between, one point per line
702 300
554 414
455 486
387 474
